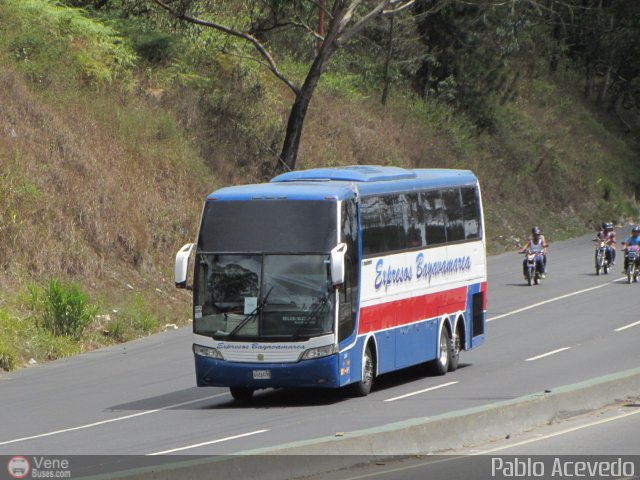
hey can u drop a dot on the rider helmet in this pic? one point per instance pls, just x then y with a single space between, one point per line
607 226
535 231
636 229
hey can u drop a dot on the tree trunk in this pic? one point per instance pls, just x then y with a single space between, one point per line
615 98
610 54
289 153
589 80
557 34
618 101
387 62
605 85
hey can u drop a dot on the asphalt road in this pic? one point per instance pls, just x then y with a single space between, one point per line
140 398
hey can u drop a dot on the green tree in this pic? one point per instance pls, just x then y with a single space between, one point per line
392 45
602 39
256 19
97 4
467 50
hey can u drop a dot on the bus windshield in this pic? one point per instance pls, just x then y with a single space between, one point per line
268 226
262 297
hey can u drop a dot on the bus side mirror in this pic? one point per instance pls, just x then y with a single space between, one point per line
182 264
337 264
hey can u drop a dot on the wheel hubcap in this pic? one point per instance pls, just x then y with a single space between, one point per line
456 345
368 370
443 350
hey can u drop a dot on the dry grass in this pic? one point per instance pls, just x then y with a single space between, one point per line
85 194
368 133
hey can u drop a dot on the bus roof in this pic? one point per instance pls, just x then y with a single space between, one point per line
342 182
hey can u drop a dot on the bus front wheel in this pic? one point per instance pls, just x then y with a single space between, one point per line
241 394
363 387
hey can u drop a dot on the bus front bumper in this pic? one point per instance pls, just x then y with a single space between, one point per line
319 372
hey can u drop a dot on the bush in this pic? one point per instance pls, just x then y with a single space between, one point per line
8 357
154 47
50 40
48 346
135 320
64 309
13 333
140 316
117 330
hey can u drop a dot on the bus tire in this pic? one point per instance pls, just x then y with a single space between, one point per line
363 387
241 393
440 365
456 348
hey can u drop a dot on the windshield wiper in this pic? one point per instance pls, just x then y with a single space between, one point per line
317 309
251 315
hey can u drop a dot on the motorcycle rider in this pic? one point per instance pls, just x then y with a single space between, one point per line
537 244
632 240
608 235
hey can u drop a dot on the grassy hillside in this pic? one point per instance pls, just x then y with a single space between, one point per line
106 154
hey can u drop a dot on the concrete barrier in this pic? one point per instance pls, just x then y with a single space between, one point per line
418 436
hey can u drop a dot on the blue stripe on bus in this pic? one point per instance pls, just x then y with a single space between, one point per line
335 184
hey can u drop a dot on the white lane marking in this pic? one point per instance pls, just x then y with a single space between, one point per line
111 420
562 432
547 354
207 443
626 326
562 297
421 391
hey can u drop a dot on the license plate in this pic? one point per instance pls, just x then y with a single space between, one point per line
261 374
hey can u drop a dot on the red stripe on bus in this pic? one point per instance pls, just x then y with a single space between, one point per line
409 310
483 289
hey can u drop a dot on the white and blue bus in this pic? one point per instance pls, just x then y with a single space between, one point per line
330 277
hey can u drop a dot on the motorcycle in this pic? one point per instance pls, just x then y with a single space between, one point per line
602 260
533 271
632 255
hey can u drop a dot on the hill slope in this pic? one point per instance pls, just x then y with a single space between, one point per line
104 163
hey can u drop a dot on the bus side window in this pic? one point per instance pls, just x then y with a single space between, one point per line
348 296
471 213
433 214
345 289
342 288
454 214
346 307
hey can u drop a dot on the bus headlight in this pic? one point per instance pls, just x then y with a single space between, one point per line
207 351
318 352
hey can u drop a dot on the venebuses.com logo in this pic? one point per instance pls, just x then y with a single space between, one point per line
18 467
38 467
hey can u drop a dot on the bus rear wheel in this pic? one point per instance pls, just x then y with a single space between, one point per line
440 365
363 387
454 357
241 394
